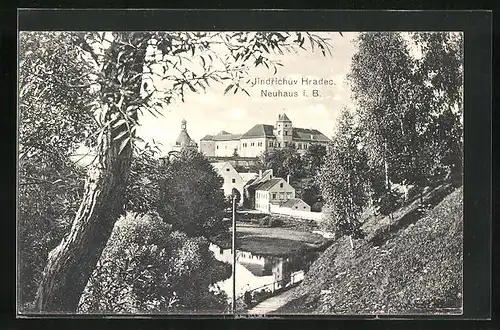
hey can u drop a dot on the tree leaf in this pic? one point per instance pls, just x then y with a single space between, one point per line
228 88
121 134
123 144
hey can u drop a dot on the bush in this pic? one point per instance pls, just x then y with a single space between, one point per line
147 267
265 221
317 207
274 222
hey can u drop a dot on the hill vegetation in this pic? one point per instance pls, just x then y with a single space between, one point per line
412 265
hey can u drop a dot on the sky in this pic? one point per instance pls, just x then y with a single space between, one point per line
211 112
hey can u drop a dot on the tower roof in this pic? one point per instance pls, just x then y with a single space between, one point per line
283 117
184 140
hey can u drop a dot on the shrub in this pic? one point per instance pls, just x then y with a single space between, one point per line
265 221
275 222
147 267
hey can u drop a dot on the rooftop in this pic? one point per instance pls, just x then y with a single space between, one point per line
259 130
268 184
292 202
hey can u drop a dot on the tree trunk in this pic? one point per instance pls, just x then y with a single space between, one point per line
71 263
386 168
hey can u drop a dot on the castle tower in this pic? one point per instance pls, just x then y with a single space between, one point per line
184 140
284 130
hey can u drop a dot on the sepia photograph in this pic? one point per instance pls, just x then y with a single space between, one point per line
240 173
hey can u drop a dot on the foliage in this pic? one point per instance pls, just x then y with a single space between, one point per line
308 189
389 202
410 109
343 178
314 158
53 121
148 268
191 197
285 161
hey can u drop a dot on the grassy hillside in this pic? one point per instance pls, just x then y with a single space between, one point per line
411 266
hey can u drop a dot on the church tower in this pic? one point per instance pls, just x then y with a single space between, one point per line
283 130
184 140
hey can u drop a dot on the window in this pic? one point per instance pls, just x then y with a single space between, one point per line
274 195
252 144
277 144
244 145
260 144
217 147
288 195
281 185
282 195
271 143
227 170
286 133
233 180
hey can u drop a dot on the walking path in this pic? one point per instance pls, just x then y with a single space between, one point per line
273 303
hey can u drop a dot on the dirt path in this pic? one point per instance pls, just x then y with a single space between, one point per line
273 303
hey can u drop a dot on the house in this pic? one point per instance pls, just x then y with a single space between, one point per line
249 188
296 204
232 179
261 137
273 191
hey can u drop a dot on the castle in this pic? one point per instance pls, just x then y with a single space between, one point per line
260 138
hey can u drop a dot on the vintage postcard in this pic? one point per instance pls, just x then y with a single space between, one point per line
240 173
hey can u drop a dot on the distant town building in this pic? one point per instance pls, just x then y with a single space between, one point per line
273 191
296 204
232 179
184 140
260 138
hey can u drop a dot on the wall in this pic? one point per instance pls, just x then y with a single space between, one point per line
207 147
228 184
226 148
281 193
296 214
252 151
262 201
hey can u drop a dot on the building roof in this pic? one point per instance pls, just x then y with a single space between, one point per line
283 117
259 130
218 166
264 130
246 177
222 136
292 202
307 134
268 184
184 140
262 179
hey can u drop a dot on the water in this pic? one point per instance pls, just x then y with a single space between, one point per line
255 271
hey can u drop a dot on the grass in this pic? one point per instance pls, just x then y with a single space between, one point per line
411 266
272 241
